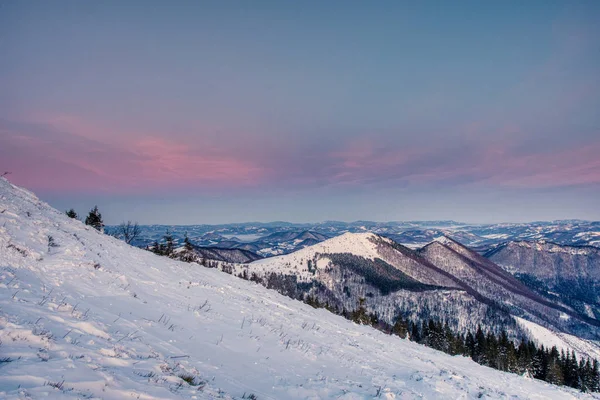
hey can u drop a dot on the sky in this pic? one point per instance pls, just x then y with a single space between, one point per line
190 112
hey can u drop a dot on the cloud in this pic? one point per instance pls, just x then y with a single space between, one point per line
80 156
169 162
467 163
43 157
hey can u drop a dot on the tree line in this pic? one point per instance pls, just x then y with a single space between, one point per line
127 231
93 219
486 348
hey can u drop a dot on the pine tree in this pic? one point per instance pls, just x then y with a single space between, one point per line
94 219
554 374
72 214
459 345
491 353
569 373
480 352
470 345
169 244
415 333
595 377
540 363
573 369
400 328
188 254
187 244
360 315
155 247
448 340
524 359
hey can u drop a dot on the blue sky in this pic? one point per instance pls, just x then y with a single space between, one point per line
209 112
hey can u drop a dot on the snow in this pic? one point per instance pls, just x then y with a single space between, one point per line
563 341
542 245
359 244
496 236
96 318
443 240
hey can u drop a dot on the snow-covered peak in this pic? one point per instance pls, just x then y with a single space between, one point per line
443 240
359 244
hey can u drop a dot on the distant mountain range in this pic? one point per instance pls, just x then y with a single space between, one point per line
276 238
226 255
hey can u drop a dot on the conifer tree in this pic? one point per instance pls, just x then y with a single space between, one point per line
479 354
155 247
189 254
94 219
470 345
524 359
72 214
595 376
360 315
169 244
400 328
187 244
415 334
554 374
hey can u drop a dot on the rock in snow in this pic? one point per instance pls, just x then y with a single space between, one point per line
84 315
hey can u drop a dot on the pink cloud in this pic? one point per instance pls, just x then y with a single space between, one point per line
43 157
566 167
475 163
166 161
69 157
362 161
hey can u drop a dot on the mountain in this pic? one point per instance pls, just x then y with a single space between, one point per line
263 245
277 238
226 255
444 280
392 279
84 315
212 236
367 248
570 273
496 284
292 235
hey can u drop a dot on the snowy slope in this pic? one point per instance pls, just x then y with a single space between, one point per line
562 341
90 317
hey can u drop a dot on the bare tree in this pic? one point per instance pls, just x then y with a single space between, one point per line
128 231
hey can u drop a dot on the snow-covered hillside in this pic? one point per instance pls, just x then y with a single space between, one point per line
84 315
